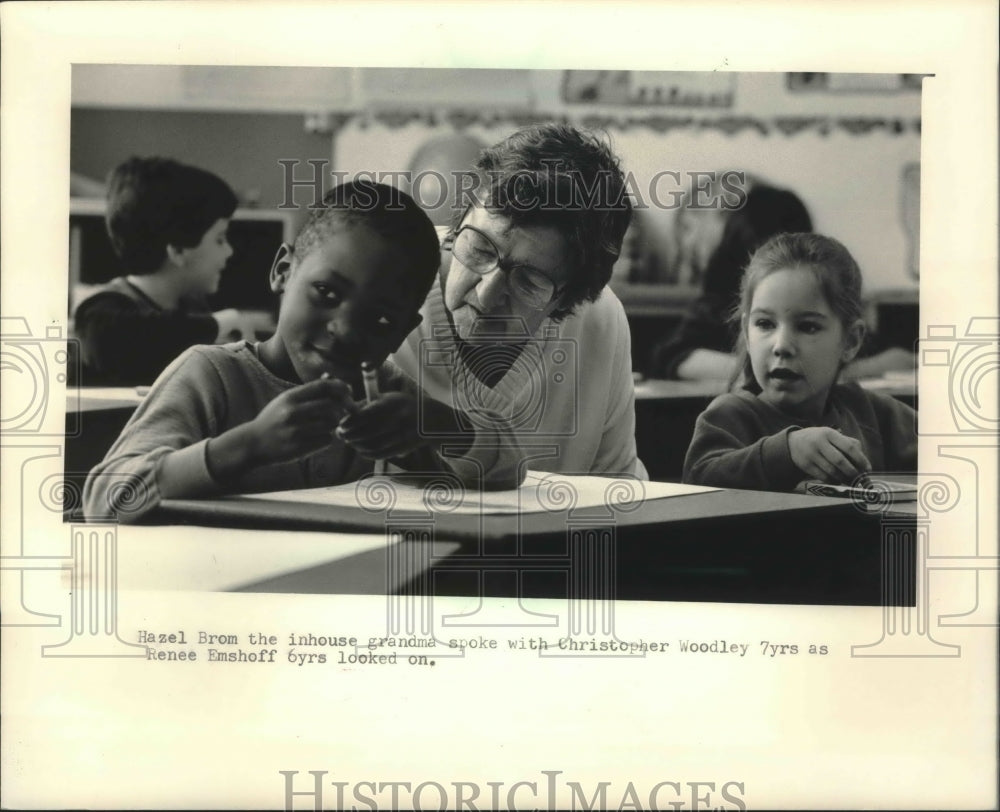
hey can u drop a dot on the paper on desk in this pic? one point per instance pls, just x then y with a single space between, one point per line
541 492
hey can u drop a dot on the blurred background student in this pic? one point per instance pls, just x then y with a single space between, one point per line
168 224
717 243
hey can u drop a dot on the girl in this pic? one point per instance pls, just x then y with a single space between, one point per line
717 243
788 420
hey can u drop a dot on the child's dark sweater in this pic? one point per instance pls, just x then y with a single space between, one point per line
740 441
126 339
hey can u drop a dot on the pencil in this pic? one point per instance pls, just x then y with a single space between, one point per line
370 377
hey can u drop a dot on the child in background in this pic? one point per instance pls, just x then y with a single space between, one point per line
281 414
167 223
716 243
800 324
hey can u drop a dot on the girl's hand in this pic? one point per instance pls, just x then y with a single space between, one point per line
300 421
827 455
384 429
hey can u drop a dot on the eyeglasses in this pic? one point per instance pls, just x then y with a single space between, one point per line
479 254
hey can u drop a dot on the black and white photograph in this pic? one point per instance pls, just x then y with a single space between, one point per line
423 424
672 201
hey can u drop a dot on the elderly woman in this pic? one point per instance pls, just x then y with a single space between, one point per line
520 329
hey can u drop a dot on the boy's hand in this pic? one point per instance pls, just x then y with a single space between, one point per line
827 455
301 420
384 429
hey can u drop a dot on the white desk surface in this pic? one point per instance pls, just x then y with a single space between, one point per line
219 559
99 398
118 397
897 385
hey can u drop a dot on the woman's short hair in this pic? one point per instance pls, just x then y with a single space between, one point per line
559 176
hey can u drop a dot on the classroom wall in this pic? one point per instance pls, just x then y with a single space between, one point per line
850 183
241 147
217 117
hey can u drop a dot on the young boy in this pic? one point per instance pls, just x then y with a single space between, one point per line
281 414
167 223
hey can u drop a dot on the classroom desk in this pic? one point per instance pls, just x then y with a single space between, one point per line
122 397
665 413
660 390
95 417
108 398
215 559
728 545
